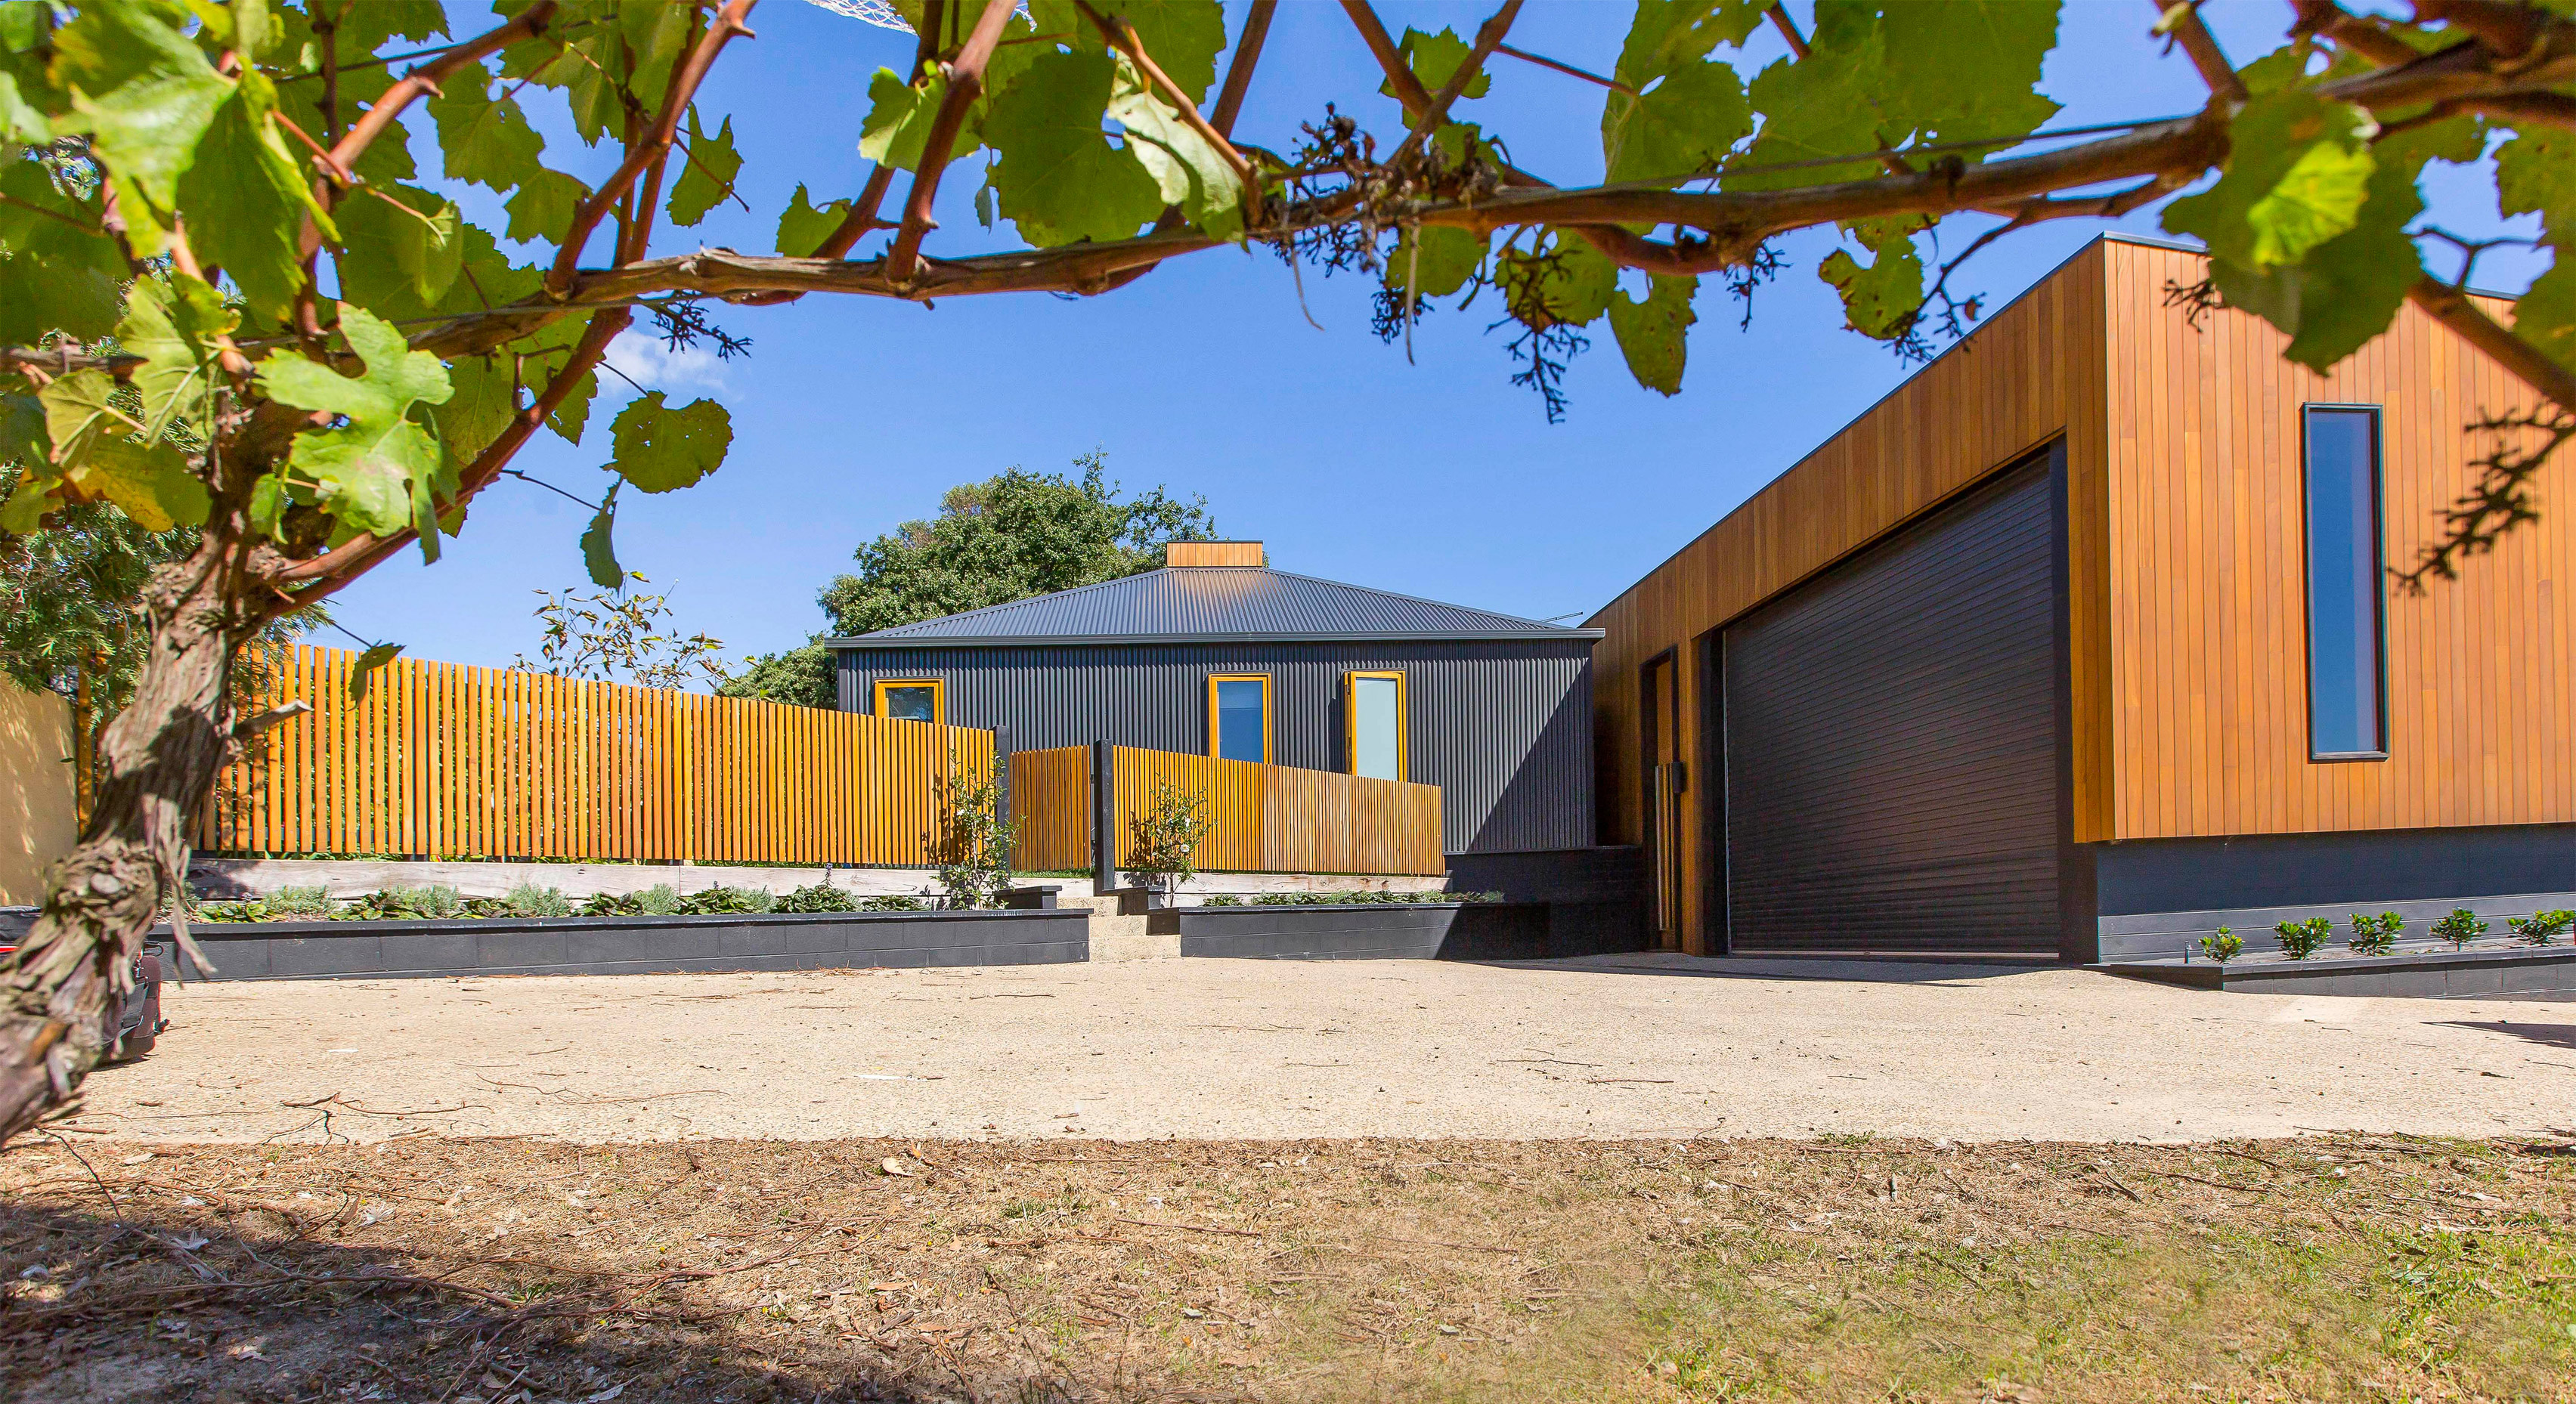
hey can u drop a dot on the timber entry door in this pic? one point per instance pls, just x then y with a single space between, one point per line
1893 752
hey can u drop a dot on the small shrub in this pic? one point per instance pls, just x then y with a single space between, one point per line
2302 939
251 909
611 904
892 902
486 908
437 901
1225 899
2375 935
661 899
2223 947
820 897
726 901
1163 842
974 842
2542 928
2460 927
298 901
529 900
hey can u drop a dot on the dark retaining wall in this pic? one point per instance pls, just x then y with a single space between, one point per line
310 950
2466 974
1375 931
1596 897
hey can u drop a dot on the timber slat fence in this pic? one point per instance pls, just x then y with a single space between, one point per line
1262 818
446 760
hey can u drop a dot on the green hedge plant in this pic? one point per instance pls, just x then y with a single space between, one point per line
2302 939
2542 928
2375 935
2460 928
2223 947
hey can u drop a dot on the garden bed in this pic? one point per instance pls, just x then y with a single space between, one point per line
620 945
2475 972
1377 931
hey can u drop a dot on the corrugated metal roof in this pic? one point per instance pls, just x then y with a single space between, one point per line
1214 602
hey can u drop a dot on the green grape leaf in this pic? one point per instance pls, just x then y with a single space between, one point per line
2536 174
1436 261
485 400
374 657
1434 59
22 90
802 228
900 117
374 467
1880 298
1821 106
1182 36
598 549
1683 125
1058 176
544 206
150 483
1669 35
660 449
144 93
571 417
1189 172
1965 69
2545 315
1652 332
78 414
485 139
712 166
59 272
2350 287
248 198
2297 172
174 327
404 249
22 430
1569 284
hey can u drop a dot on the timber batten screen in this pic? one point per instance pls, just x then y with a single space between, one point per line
445 760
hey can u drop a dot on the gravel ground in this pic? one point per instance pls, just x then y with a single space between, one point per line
1612 1047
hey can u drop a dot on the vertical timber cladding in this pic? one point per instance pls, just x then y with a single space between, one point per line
1894 747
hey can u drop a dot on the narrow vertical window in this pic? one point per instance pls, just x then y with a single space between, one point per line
1376 725
2345 667
909 699
1239 718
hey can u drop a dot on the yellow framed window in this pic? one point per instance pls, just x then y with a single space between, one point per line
1373 724
1239 716
912 699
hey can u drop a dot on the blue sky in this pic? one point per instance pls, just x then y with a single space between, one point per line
1438 478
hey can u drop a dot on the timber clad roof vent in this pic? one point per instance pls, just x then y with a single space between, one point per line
1199 600
1214 553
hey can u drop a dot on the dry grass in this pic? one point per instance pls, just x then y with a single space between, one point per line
426 1270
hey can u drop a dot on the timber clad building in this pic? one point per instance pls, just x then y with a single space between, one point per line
1219 655
2082 642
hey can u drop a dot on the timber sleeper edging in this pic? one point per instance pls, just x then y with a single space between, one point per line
324 950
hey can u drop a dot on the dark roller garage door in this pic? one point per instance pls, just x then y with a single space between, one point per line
1892 753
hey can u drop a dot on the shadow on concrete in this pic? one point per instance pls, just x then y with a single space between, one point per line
2546 1035
1871 969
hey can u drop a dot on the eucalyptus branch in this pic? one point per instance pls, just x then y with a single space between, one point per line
648 155
965 84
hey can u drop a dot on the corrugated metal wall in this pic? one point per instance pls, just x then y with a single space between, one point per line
1503 728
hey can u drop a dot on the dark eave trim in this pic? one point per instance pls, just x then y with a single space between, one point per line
917 642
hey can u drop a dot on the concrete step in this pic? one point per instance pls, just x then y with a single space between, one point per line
1118 937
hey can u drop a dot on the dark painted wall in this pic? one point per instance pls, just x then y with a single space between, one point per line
1503 728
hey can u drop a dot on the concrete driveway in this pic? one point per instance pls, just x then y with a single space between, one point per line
1615 1046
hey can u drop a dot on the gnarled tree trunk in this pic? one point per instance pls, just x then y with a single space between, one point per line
160 757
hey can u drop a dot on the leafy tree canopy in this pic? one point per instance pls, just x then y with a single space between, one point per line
238 293
1013 535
